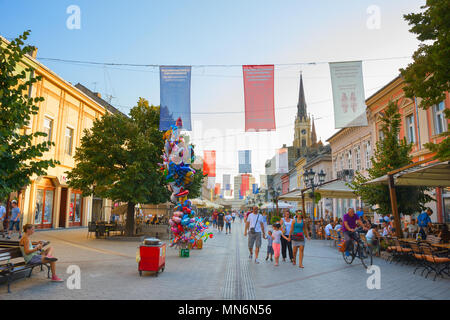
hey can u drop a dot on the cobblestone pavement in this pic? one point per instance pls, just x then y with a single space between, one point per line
221 270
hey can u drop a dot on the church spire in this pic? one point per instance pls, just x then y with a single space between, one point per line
313 134
301 105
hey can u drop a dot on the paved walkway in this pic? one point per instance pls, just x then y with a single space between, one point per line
221 270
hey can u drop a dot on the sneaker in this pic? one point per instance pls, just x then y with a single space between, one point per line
256 261
347 253
267 258
250 256
56 279
271 259
50 259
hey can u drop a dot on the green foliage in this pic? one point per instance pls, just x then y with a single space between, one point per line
195 188
19 156
275 219
118 159
428 76
390 154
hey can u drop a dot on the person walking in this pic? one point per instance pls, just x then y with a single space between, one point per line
286 227
298 231
233 215
277 235
269 246
255 228
15 220
220 219
228 220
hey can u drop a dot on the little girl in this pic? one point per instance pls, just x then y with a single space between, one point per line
269 246
276 236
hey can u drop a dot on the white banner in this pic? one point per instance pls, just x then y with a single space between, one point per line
348 94
211 183
282 161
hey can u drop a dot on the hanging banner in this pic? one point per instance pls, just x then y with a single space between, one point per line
245 183
255 189
348 94
217 189
240 195
209 163
281 160
226 181
259 97
245 165
211 183
175 97
263 181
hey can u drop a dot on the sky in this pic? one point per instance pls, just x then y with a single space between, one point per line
219 32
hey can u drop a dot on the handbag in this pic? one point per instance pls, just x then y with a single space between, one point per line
252 230
298 236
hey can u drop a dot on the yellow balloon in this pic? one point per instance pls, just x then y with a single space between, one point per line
207 223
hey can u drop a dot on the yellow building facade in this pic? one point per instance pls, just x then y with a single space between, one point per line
66 111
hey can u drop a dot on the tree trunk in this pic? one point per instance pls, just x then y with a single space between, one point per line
129 226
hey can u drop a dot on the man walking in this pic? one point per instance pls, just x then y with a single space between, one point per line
255 226
220 218
228 220
15 219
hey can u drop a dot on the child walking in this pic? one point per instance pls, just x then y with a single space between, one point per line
276 236
269 246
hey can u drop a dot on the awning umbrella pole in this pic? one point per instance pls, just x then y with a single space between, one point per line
398 229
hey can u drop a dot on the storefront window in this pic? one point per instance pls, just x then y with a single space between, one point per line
75 208
39 206
48 206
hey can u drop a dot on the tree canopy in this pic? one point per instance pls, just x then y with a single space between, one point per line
19 153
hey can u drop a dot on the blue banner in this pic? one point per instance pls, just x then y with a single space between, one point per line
255 189
245 165
226 181
175 96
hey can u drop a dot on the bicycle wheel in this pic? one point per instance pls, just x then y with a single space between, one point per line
365 254
349 259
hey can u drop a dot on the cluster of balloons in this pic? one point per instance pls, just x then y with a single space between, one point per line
185 226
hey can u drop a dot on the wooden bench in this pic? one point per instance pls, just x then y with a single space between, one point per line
9 268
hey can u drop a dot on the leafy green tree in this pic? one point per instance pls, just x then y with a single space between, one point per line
390 154
428 76
118 160
19 156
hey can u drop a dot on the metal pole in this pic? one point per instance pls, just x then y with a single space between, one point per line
398 229
313 206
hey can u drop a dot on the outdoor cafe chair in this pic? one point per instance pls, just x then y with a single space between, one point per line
92 228
419 256
435 264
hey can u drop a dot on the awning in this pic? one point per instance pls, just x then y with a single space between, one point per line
281 205
433 175
332 189
294 195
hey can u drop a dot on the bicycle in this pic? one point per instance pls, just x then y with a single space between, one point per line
359 249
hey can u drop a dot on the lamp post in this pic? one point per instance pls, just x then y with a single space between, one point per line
309 177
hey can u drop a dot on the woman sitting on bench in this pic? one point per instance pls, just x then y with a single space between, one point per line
34 255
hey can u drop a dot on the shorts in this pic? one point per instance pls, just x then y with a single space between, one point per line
298 243
228 225
269 249
254 237
14 223
220 224
35 259
276 249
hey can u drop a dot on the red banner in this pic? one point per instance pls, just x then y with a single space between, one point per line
209 163
217 189
259 97
245 184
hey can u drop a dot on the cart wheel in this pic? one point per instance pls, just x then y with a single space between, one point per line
162 269
156 274
140 273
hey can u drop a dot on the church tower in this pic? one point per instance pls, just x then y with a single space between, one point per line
302 129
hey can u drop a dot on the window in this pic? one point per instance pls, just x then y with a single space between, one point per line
358 158
335 166
48 128
75 209
410 129
349 158
439 118
68 141
368 155
342 163
380 135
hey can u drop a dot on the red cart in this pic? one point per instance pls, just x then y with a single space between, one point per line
151 256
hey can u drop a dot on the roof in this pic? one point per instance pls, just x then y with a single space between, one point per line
97 99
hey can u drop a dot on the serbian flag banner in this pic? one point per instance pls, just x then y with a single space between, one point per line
348 94
209 163
259 97
175 97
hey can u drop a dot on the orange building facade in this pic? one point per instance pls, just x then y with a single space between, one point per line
418 127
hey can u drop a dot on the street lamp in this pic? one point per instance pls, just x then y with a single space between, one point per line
309 177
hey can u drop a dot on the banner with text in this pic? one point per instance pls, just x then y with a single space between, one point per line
211 183
209 163
175 96
245 165
259 97
348 94
245 184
